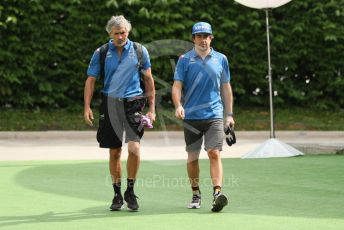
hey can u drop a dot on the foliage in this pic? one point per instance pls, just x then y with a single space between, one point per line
253 118
45 47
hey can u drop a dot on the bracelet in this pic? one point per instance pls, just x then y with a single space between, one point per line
229 114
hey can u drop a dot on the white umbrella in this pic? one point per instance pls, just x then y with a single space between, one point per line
271 148
263 4
266 4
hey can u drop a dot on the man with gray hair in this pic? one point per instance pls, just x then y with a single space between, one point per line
123 99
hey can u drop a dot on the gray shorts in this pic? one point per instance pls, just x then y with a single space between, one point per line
212 130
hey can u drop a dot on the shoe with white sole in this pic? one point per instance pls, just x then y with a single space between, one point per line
195 202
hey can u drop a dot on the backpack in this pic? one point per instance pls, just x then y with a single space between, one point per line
139 53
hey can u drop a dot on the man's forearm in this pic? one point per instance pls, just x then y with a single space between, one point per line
150 92
227 97
176 94
151 99
88 92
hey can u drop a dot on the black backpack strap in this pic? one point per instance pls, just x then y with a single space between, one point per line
102 55
139 54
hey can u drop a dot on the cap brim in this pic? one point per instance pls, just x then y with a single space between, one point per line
201 33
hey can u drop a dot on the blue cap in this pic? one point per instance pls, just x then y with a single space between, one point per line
202 27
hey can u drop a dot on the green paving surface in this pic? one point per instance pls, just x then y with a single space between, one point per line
286 193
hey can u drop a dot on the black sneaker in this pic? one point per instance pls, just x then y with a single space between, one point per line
117 203
219 202
130 198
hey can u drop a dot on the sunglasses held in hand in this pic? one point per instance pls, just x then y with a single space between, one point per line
230 136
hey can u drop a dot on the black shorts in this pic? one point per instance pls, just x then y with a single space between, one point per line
117 116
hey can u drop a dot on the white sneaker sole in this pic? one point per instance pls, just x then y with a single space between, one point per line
194 206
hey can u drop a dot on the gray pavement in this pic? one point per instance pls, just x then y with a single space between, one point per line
82 145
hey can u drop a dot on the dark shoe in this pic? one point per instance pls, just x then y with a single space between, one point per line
130 198
117 203
219 202
195 202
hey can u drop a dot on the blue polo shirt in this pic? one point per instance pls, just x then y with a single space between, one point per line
202 81
122 78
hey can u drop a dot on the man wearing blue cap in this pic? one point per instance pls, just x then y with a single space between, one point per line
202 96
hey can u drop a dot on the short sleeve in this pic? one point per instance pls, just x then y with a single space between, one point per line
94 65
179 71
225 76
146 59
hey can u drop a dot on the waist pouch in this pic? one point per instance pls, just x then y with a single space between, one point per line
134 105
133 109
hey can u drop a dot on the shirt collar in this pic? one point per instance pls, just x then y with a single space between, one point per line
126 46
194 54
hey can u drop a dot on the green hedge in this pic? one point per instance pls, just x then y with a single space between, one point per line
46 46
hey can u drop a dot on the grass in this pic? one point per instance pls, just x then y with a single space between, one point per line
246 119
284 193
